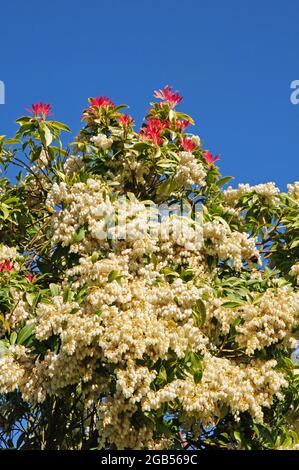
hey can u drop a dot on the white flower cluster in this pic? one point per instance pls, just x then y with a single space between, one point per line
77 332
88 206
138 310
268 320
294 271
116 428
11 368
196 139
240 387
134 382
220 240
7 253
52 374
72 165
189 171
102 141
268 191
234 213
181 232
293 190
21 310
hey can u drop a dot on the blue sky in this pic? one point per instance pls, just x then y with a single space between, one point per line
233 61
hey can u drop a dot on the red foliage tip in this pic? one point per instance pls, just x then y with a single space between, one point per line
42 109
168 96
155 123
101 102
181 124
6 266
209 157
30 277
125 120
188 144
153 130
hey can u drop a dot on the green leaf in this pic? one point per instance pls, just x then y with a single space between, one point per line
197 376
171 115
80 294
114 276
162 376
13 338
232 304
5 323
140 146
25 333
3 348
94 257
236 321
45 134
59 150
26 128
294 244
68 295
12 141
30 297
5 210
54 289
120 107
23 119
79 235
169 272
199 313
131 196
184 116
223 181
59 125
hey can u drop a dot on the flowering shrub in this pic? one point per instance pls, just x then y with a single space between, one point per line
143 305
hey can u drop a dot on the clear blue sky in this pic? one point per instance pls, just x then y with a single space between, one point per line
232 60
